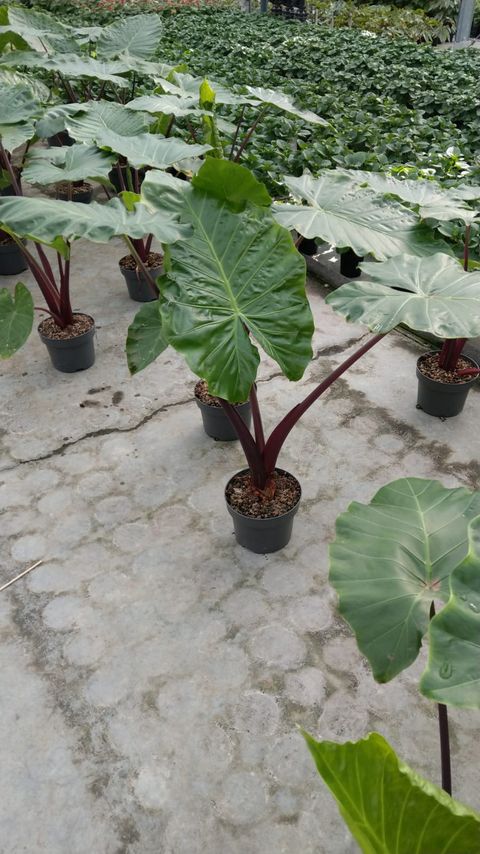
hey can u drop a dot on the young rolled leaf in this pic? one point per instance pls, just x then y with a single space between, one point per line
442 299
343 214
391 558
67 163
137 36
236 280
145 339
388 807
453 672
16 319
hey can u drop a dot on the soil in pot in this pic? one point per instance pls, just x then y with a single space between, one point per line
216 422
443 393
78 192
12 260
139 288
263 525
71 348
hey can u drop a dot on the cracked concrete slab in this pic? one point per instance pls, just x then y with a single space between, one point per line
154 673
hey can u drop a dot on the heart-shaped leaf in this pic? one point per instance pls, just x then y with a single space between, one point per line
391 558
343 214
388 807
67 163
273 98
146 149
16 319
236 280
137 36
169 105
453 672
442 298
145 340
98 118
45 220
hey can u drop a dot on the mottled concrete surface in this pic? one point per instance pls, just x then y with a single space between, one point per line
153 672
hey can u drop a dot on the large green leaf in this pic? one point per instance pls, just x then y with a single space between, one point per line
13 136
237 280
145 149
442 298
389 808
231 183
273 98
145 340
100 117
17 105
67 163
41 31
137 36
45 220
69 65
453 672
39 91
429 198
391 558
343 214
16 319
169 105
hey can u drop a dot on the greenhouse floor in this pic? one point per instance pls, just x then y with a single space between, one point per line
153 672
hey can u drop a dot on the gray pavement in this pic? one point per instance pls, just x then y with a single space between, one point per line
153 673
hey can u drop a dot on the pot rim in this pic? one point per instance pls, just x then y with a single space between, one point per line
441 384
128 270
65 341
210 406
233 510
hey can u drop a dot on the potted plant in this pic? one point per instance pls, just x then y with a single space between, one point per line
67 334
433 295
68 168
215 307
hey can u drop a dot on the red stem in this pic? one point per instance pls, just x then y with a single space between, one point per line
252 454
281 431
257 420
65 305
48 288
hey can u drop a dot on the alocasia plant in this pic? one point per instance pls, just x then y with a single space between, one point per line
416 544
388 807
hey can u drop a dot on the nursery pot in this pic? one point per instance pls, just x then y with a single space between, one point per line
307 246
349 262
82 194
12 260
442 399
139 289
216 422
60 139
71 354
262 536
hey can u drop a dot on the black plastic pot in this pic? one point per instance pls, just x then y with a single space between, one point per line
262 536
9 190
71 354
445 400
60 139
217 424
139 289
349 262
11 260
307 246
85 197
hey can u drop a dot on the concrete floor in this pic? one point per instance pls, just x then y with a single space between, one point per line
152 671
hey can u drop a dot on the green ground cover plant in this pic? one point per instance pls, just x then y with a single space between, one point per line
391 104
